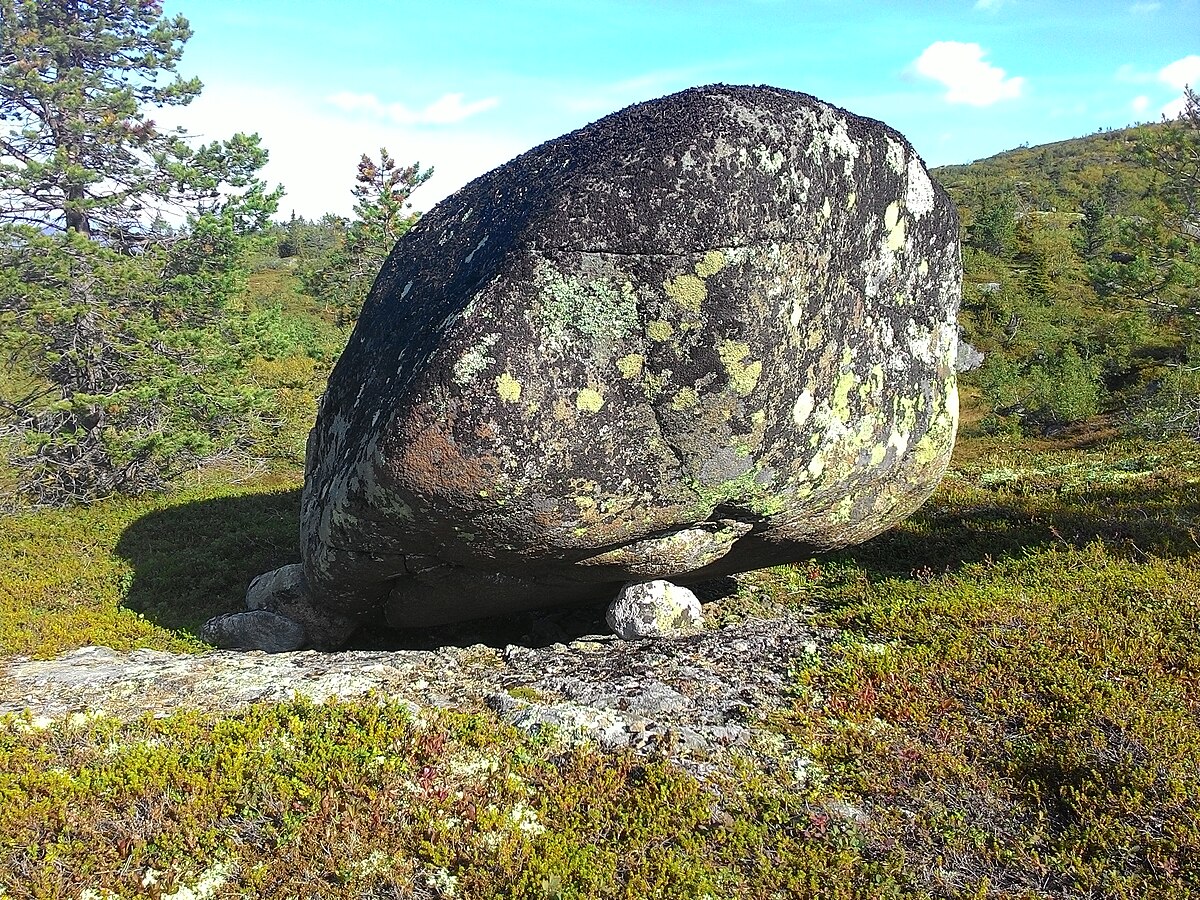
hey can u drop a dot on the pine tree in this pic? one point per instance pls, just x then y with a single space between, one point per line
118 334
79 149
383 214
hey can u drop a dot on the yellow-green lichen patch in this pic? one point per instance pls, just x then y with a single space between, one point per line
713 262
745 490
851 200
653 383
658 330
687 290
905 415
866 429
631 366
938 440
589 400
826 210
841 395
685 399
873 385
743 377
508 388
843 511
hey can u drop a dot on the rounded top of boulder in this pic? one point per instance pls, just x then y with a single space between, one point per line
629 182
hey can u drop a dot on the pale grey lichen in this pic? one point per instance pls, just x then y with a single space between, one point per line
475 360
594 310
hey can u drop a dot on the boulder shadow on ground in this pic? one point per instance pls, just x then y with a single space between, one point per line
195 561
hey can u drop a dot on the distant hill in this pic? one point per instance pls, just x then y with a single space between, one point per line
1058 176
1076 289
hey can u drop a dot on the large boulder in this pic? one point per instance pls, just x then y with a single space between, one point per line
705 334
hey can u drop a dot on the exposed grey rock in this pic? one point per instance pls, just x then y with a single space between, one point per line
969 358
282 587
695 697
653 609
255 629
706 334
282 617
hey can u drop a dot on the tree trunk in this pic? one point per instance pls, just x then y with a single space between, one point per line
76 218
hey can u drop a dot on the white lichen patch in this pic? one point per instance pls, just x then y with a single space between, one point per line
478 247
895 157
803 407
919 199
837 138
525 819
210 881
922 344
769 161
475 360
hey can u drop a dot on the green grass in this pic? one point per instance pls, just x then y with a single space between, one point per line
145 572
1012 711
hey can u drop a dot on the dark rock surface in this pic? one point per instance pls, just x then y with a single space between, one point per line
705 334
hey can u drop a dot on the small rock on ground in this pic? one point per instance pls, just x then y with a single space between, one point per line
654 609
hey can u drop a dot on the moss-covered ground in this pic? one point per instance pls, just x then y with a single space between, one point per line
1012 710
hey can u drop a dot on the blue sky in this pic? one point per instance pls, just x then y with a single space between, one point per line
464 85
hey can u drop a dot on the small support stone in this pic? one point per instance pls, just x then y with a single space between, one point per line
654 609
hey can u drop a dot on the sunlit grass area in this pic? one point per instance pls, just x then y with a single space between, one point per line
1010 710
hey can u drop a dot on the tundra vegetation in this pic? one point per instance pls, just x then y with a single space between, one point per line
1011 707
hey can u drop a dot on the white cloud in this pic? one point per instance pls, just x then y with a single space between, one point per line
1180 74
988 5
1127 74
1140 103
966 76
1141 9
315 146
450 108
446 110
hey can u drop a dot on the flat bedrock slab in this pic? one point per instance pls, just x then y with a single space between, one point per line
706 692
